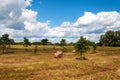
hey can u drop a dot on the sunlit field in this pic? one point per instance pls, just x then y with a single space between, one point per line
19 64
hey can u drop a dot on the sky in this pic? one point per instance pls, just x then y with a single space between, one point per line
57 19
58 11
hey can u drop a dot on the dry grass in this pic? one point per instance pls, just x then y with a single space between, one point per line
22 65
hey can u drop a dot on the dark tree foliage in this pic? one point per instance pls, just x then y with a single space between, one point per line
26 43
36 43
94 47
62 44
81 45
93 44
44 41
90 43
4 40
110 38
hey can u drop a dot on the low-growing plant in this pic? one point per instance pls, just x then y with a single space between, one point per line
35 49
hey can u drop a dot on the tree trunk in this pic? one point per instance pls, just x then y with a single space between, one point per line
80 54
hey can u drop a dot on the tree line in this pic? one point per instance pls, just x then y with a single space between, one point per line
110 38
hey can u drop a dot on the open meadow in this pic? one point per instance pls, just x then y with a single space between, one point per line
19 64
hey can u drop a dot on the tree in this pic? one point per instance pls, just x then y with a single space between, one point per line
44 42
36 43
109 35
110 38
117 38
4 40
102 40
94 47
82 46
90 43
1 45
11 41
71 44
62 44
35 49
26 43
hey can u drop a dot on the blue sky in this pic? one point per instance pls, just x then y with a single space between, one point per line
57 19
58 11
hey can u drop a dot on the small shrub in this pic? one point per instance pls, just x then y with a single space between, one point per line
35 49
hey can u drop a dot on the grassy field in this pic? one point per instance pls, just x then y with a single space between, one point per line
18 64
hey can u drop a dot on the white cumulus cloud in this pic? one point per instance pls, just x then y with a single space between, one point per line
19 22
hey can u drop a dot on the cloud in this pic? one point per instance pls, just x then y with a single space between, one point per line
18 21
88 18
29 15
108 18
97 24
11 11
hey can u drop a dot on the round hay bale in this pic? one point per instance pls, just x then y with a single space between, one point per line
74 51
58 54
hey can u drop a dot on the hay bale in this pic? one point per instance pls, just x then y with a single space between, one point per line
74 51
58 54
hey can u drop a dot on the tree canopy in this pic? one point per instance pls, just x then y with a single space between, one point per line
63 42
4 40
44 41
81 45
26 42
110 38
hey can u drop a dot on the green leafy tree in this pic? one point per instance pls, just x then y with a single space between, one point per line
117 38
4 41
82 46
36 43
26 43
90 43
44 42
62 44
110 38
102 40
94 47
1 45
